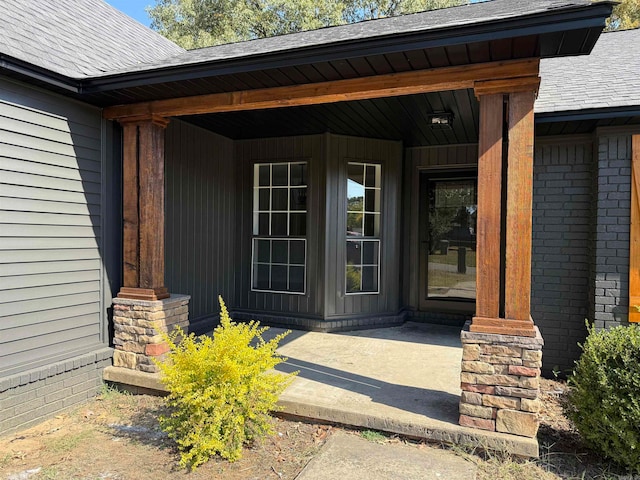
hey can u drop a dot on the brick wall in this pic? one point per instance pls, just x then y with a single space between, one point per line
609 269
30 397
562 212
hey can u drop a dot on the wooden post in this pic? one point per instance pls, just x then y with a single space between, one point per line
634 238
520 93
517 305
143 209
489 206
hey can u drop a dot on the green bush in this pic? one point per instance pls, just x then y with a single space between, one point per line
220 389
604 402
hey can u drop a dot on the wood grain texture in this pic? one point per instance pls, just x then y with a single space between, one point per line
507 85
143 209
394 84
489 206
634 240
519 206
130 247
151 205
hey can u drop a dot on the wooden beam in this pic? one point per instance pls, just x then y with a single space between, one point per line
130 246
396 84
143 198
634 238
489 206
507 85
519 207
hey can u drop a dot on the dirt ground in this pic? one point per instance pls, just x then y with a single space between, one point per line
116 436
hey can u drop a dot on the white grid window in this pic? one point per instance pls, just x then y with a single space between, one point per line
362 273
279 227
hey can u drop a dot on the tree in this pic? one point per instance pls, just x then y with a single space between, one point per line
200 23
626 15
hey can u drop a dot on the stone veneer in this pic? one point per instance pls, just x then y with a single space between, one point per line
138 324
500 382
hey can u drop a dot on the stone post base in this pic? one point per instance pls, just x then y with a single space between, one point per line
137 325
500 382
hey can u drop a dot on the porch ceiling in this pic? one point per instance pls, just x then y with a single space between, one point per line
394 118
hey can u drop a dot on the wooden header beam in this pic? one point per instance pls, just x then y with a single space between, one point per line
395 84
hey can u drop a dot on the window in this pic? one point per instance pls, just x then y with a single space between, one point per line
278 257
363 228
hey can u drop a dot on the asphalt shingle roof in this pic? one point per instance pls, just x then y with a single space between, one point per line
77 38
442 19
608 77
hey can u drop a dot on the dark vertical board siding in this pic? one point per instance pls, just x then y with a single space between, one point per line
200 215
417 159
272 150
340 151
51 228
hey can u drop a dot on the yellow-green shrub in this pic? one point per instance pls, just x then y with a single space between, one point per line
220 389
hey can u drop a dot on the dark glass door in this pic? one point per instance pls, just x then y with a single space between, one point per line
448 239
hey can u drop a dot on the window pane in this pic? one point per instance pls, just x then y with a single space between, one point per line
264 177
369 279
354 277
354 253
355 197
369 253
279 277
370 203
298 199
280 174
279 252
370 180
354 224
298 226
263 251
261 277
296 279
296 252
263 224
279 199
263 202
299 174
370 225
356 173
279 224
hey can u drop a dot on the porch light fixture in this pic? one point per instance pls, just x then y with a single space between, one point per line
440 120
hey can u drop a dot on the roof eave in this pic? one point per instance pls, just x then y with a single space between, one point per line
545 23
588 114
23 70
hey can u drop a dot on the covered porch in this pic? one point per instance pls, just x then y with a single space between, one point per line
247 191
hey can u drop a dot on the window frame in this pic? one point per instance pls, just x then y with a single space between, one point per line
255 221
364 238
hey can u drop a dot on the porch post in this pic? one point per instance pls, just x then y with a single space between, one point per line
143 209
502 349
512 317
489 206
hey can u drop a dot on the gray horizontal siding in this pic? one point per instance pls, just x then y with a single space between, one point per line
51 262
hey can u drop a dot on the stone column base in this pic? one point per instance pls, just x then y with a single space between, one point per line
137 328
500 382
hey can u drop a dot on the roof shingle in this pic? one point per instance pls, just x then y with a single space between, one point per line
77 38
608 77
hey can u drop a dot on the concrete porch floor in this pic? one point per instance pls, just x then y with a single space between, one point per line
402 380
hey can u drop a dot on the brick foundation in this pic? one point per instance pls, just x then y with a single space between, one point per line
137 328
500 382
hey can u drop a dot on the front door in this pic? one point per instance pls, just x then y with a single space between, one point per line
448 206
